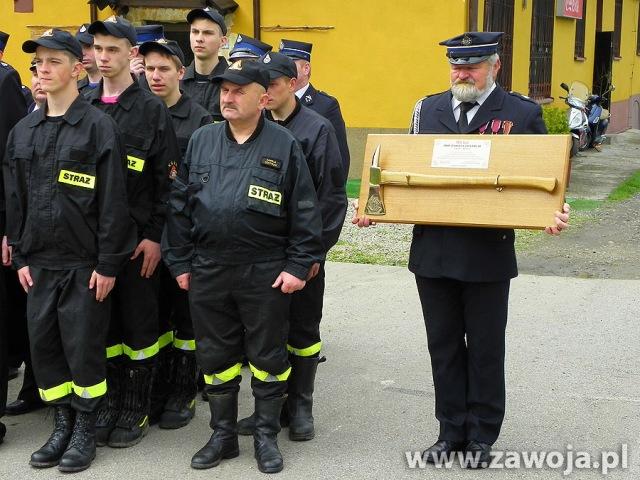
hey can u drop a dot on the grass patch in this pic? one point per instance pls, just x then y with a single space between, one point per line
353 188
583 204
627 189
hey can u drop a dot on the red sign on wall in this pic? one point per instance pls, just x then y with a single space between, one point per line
570 9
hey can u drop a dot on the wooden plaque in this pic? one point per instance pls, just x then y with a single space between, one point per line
505 182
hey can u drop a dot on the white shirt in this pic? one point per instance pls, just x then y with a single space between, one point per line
455 104
300 93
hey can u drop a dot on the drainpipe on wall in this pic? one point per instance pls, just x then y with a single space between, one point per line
256 19
93 12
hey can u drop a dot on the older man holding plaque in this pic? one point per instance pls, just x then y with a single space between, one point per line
463 274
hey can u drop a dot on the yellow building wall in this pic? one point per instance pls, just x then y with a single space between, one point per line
608 15
68 14
626 69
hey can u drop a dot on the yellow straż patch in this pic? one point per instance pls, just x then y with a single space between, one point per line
265 195
135 163
77 179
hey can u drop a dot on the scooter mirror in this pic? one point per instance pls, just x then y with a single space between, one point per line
564 86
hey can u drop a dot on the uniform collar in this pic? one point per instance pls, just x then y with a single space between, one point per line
126 99
309 95
73 115
253 136
190 72
303 90
286 121
181 108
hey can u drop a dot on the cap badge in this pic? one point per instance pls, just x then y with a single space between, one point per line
236 66
48 33
112 19
281 45
163 41
83 29
266 59
239 39
307 98
206 9
466 40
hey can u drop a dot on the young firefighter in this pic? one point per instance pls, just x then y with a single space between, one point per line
71 233
134 337
207 35
92 80
322 152
242 233
173 396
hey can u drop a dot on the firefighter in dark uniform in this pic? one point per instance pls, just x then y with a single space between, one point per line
208 33
70 230
173 396
321 150
463 274
12 108
134 337
242 234
318 101
144 33
28 397
248 48
4 38
93 77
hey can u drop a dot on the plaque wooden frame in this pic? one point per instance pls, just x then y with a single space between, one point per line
490 205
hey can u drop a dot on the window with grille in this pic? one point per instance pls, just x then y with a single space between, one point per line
617 29
498 17
23 6
578 52
542 22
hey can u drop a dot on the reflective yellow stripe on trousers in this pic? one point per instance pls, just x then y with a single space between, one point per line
223 377
55 393
267 377
305 352
92 391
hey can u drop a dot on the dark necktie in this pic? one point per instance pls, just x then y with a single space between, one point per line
463 123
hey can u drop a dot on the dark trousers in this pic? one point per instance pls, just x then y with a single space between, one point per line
306 313
18 350
134 328
67 330
3 346
174 315
466 324
236 312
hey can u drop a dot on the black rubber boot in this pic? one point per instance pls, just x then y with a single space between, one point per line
265 435
133 422
181 404
50 453
300 400
111 405
162 383
248 424
3 431
82 446
224 441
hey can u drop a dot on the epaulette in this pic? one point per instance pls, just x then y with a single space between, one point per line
523 97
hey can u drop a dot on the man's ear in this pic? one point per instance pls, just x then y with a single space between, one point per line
133 53
78 68
264 99
223 41
181 73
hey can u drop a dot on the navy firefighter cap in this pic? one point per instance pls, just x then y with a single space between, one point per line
83 35
295 49
163 45
279 65
247 47
115 26
208 14
472 47
149 33
244 72
4 38
55 39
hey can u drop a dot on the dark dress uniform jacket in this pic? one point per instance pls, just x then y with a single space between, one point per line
67 199
327 106
321 150
150 141
12 108
469 254
205 93
187 117
243 203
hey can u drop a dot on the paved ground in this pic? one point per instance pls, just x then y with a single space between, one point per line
573 349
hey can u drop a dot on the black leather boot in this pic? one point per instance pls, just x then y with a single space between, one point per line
109 411
82 446
265 435
162 383
224 441
181 404
50 453
300 399
247 425
133 423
